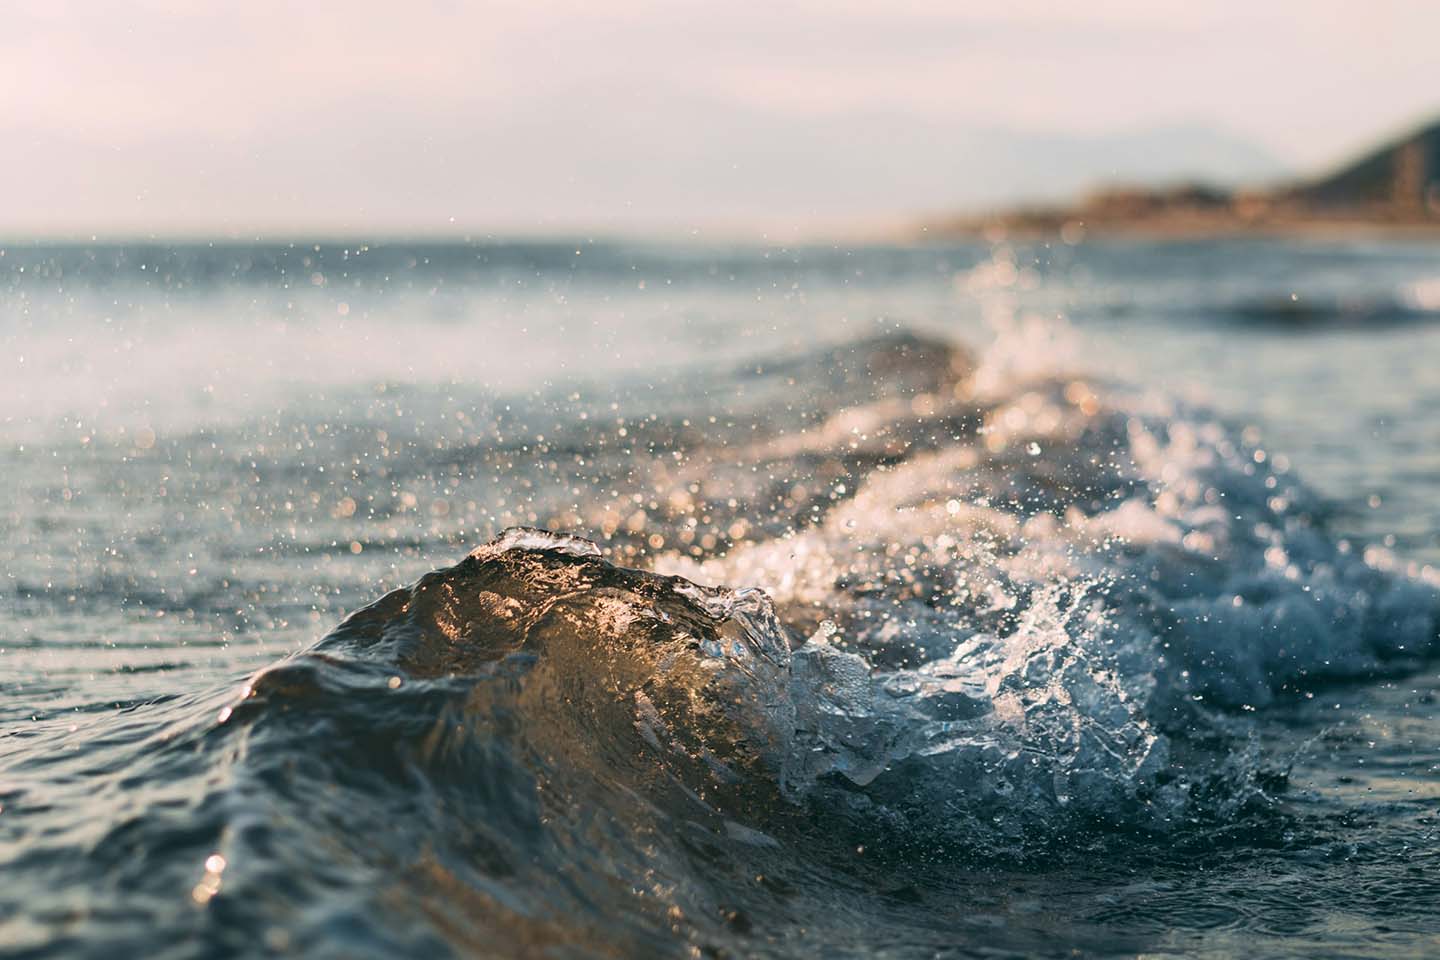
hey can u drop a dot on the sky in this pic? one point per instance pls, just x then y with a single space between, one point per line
529 116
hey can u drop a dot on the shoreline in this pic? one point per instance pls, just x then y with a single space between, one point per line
1077 228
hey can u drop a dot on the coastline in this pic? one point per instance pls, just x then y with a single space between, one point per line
1076 226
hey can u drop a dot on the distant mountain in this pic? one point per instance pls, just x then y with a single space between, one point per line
1401 179
665 161
1039 167
1397 184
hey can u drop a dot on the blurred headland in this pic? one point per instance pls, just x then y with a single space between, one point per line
1393 187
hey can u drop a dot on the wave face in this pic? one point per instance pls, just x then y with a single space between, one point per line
916 632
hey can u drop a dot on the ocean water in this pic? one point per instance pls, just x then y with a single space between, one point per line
586 598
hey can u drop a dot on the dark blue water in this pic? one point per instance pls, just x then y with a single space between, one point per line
966 601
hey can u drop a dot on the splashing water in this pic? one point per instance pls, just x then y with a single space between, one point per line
870 644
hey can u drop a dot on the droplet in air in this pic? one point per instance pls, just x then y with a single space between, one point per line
826 630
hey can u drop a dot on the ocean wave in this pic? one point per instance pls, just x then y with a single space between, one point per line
1308 313
949 613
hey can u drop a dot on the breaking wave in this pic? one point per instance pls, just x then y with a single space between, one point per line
957 618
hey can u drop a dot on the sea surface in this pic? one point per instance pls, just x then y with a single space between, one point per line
586 598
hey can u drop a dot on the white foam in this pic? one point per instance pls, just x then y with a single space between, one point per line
1069 587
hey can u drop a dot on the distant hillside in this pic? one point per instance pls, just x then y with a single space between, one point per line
1396 185
1402 178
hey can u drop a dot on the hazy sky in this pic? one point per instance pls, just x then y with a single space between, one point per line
452 116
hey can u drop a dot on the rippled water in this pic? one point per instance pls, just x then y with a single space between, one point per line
960 601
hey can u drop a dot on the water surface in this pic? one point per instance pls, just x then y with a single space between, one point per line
957 601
